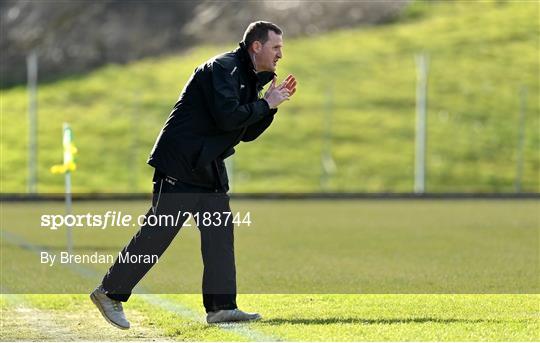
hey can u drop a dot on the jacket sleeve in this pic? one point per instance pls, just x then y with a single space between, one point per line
226 109
255 130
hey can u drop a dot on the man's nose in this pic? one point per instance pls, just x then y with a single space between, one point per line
279 54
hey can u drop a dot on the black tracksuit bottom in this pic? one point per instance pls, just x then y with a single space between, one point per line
217 242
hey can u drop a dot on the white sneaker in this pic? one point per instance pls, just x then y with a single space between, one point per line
225 316
111 309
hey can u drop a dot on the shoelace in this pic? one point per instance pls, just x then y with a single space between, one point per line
236 313
117 306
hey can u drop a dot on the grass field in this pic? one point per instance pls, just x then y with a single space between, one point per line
316 270
481 55
286 317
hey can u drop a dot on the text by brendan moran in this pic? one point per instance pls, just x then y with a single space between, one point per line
65 257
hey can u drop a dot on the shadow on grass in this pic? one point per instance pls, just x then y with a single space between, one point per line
324 321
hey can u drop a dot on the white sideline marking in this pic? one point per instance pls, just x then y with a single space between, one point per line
37 321
239 329
183 311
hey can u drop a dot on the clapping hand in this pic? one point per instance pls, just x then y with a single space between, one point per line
276 95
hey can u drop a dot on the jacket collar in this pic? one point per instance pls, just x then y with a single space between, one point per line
263 77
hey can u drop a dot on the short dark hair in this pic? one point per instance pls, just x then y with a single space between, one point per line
258 31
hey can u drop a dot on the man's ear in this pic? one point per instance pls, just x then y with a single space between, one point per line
257 46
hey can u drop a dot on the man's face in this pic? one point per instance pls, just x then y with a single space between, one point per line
268 54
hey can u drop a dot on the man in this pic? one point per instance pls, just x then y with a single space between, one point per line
218 108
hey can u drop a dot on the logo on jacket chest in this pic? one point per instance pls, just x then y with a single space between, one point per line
246 93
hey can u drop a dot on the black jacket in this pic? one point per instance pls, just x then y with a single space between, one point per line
219 107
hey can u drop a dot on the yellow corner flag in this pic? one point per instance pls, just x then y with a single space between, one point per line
69 153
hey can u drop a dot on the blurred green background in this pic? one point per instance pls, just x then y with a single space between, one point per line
357 86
